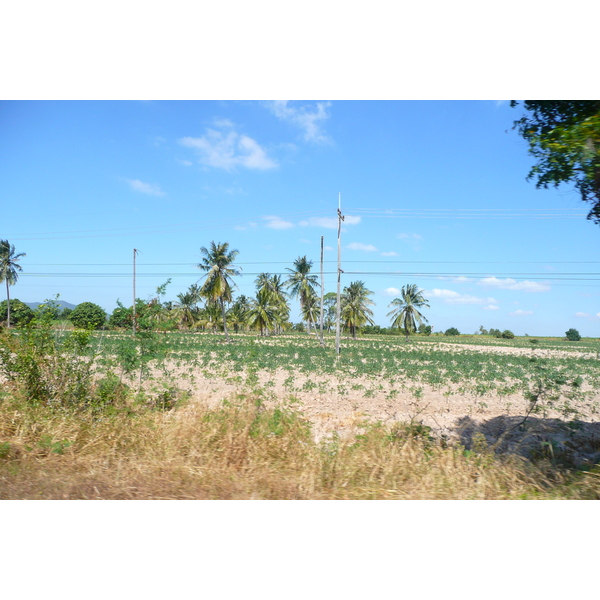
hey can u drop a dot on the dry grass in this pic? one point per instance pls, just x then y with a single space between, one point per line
242 450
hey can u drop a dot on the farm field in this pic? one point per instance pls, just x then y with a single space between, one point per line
448 399
434 380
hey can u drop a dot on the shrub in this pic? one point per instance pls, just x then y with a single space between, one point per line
573 335
424 329
507 334
452 331
20 313
88 316
50 370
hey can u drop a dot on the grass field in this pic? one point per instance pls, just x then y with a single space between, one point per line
185 415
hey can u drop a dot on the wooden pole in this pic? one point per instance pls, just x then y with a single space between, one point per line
322 292
339 278
134 315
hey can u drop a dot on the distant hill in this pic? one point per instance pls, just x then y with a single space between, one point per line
61 304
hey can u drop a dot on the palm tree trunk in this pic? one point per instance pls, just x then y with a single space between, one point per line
224 319
7 306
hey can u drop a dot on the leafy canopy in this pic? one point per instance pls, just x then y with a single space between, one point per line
564 137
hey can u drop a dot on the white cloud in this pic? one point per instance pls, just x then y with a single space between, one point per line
392 291
307 118
412 239
459 279
274 222
452 297
521 313
229 150
328 222
512 284
222 123
389 253
145 188
364 247
328 248
583 315
491 307
185 163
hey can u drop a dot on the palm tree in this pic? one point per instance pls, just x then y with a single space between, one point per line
405 315
311 309
217 262
9 269
355 310
263 311
273 287
238 313
186 310
301 283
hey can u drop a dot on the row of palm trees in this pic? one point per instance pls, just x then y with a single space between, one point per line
269 310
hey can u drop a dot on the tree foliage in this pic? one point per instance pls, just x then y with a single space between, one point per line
572 335
564 137
20 313
405 314
217 262
355 311
302 284
9 270
88 315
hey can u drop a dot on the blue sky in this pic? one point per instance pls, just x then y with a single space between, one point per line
434 193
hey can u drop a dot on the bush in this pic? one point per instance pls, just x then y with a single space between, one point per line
573 335
20 313
88 316
424 329
507 334
452 331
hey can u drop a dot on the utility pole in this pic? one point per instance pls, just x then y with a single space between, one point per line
322 292
339 278
134 315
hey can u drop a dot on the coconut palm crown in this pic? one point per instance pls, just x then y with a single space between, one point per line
301 283
355 310
405 314
9 270
217 261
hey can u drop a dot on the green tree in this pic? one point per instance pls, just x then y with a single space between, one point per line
218 264
564 137
272 285
355 311
263 310
21 314
88 315
451 331
329 310
186 309
301 283
237 315
405 314
572 335
9 270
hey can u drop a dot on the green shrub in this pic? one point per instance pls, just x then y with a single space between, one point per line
573 335
452 331
20 313
88 315
507 334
